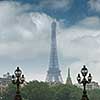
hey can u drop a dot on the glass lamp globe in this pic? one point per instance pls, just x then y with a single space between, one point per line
84 71
18 72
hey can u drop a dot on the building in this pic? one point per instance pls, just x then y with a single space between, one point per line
90 86
4 81
93 85
69 81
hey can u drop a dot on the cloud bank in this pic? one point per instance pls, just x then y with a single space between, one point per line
94 5
26 35
20 32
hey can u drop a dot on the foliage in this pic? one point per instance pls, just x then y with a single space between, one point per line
95 94
42 91
9 93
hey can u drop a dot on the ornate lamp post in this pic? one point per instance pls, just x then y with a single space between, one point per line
18 79
84 81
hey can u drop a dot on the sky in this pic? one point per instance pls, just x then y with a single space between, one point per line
25 28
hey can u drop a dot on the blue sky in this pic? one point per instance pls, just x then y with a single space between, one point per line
25 27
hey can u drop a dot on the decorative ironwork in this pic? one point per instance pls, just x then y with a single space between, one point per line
18 79
54 73
84 81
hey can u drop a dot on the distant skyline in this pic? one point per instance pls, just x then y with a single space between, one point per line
25 28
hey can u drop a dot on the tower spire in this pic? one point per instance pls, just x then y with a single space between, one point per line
69 81
68 72
53 73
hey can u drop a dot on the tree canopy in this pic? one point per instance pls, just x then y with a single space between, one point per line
35 90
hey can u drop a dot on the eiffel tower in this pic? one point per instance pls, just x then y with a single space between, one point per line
53 73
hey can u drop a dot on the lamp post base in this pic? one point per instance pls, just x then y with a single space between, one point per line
85 98
18 97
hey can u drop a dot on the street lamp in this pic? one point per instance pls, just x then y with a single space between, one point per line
18 79
84 81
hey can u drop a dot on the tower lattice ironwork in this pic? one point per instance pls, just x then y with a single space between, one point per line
53 73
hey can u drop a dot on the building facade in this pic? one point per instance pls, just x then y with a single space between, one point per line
90 86
93 85
4 81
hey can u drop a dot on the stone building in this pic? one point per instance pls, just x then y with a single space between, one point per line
93 85
4 81
90 86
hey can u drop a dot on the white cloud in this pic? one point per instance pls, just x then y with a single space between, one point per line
27 35
94 5
82 43
80 40
22 34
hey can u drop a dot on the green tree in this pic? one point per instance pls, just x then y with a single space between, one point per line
69 92
9 93
94 94
35 90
